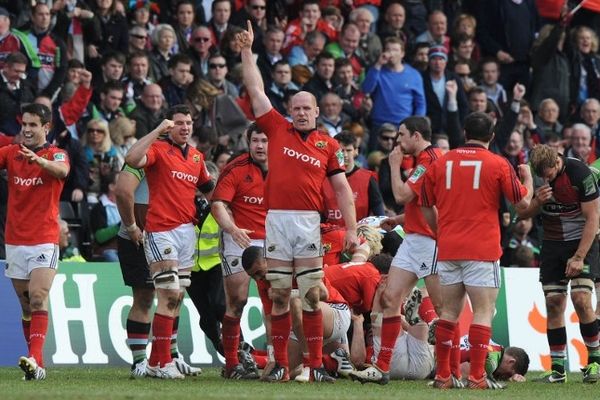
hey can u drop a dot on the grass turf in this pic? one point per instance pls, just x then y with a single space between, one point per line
114 383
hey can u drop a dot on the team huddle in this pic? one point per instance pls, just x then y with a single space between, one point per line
339 300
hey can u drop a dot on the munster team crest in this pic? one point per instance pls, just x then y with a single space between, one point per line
196 158
321 144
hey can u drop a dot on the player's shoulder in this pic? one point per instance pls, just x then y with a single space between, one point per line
429 155
237 165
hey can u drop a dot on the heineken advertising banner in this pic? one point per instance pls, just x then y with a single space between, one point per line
89 305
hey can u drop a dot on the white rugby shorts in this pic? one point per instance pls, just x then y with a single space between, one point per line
231 253
178 244
411 359
22 259
417 254
470 273
293 234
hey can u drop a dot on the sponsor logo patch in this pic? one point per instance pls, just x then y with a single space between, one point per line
59 157
340 157
168 250
271 248
417 173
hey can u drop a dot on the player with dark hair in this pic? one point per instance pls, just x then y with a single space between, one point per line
36 176
239 209
471 175
174 171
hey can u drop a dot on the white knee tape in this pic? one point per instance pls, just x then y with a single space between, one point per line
185 280
166 280
280 277
308 279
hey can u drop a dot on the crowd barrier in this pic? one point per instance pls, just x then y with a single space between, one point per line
89 305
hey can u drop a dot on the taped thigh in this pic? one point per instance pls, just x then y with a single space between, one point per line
280 277
582 285
307 279
166 280
555 289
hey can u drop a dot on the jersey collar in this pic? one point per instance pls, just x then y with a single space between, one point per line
184 150
42 147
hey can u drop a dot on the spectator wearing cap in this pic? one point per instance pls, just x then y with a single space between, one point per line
389 75
442 104
9 43
437 29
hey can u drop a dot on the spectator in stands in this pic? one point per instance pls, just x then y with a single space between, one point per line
585 66
390 75
281 81
506 30
221 158
15 90
581 144
163 39
354 102
46 51
514 151
309 20
68 251
442 141
122 134
462 50
200 49
221 12
478 101
466 25
180 76
184 25
420 57
230 49
547 117
435 79
217 72
321 82
138 38
9 42
331 115
520 237
369 43
136 79
105 220
437 29
150 110
106 32
463 72
494 91
113 65
270 52
306 53
109 105
392 24
551 71
101 155
254 11
590 115
348 47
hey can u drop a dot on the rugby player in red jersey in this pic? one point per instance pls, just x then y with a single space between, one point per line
239 209
36 175
466 186
174 170
416 257
300 159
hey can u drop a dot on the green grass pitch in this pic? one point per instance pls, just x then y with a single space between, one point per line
113 383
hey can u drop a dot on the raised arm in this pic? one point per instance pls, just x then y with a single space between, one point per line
251 74
136 156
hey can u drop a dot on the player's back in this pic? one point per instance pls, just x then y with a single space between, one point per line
468 184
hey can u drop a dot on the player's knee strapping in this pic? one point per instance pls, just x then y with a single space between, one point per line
555 289
166 280
308 279
582 285
185 279
280 277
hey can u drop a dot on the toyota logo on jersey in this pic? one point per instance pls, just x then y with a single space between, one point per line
302 157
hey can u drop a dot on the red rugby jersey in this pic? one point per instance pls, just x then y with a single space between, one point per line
242 186
414 221
356 282
297 166
173 175
466 186
332 240
359 183
33 196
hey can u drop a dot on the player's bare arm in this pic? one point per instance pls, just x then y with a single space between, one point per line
589 210
542 195
252 77
136 156
58 169
345 200
220 212
402 193
525 174
126 186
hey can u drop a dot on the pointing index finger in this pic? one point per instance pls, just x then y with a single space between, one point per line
250 27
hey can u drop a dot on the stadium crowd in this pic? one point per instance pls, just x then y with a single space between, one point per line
398 84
